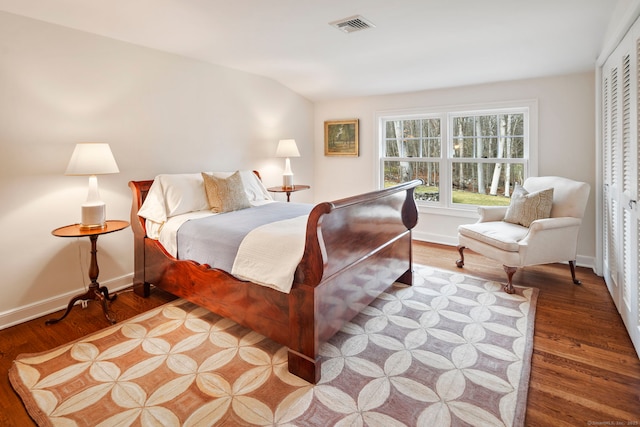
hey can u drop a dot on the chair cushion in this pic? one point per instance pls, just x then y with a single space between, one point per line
501 234
527 207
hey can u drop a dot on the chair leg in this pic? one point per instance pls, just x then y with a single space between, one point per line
508 288
572 266
460 262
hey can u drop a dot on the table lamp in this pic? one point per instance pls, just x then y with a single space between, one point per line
287 148
92 159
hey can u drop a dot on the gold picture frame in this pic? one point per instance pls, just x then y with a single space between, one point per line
341 138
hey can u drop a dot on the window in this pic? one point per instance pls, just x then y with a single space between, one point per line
465 157
413 150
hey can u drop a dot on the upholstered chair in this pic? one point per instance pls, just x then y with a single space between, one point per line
529 231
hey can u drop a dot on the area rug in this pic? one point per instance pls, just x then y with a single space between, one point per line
449 350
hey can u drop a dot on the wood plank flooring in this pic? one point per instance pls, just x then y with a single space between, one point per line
585 370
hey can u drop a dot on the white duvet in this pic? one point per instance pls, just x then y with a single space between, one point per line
269 254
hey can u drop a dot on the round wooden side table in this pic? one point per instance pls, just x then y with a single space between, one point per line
288 190
95 291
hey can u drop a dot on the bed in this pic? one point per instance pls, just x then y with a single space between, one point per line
354 248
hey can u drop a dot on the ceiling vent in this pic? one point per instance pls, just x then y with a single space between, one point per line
352 24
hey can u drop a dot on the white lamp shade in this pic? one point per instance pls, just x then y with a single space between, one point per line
92 158
287 148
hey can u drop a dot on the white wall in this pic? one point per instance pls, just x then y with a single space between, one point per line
159 112
566 135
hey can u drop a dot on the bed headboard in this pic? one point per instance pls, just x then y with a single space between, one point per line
143 189
139 190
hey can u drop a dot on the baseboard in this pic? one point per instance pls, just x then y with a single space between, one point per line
441 239
587 261
42 308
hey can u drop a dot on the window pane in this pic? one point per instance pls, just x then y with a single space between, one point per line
514 148
398 172
392 148
411 148
431 143
485 183
392 144
411 128
431 147
487 125
391 129
466 147
431 128
513 124
490 149
463 126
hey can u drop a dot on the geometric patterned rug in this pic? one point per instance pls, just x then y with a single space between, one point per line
449 350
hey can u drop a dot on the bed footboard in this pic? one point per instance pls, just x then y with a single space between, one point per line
355 249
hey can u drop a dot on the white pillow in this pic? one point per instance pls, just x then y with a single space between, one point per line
176 194
153 206
253 186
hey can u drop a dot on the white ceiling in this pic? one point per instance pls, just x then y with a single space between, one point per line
415 45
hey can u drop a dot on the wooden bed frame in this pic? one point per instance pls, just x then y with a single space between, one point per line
355 248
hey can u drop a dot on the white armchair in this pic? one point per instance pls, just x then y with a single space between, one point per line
547 240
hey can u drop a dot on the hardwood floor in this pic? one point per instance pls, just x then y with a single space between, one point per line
585 370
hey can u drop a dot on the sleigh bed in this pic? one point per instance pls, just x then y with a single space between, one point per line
354 249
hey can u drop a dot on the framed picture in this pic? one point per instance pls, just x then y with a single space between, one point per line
341 138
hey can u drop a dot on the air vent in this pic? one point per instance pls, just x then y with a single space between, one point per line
352 24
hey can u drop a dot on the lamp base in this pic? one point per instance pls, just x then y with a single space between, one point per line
287 181
93 216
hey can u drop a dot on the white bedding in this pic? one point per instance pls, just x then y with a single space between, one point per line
269 254
167 233
175 197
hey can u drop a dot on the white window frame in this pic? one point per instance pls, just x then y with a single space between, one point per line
446 161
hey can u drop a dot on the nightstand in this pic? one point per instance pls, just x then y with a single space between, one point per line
95 291
288 190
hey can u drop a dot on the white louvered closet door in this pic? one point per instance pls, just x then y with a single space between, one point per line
620 156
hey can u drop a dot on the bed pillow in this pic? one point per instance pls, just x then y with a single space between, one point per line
225 194
253 186
174 194
527 207
153 206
